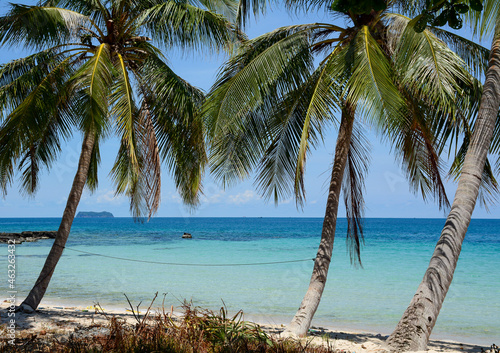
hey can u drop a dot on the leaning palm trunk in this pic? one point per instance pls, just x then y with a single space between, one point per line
36 294
302 319
413 330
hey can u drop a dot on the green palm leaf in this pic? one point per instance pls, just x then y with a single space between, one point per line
124 110
414 143
483 22
325 89
488 192
174 111
247 8
173 96
248 88
92 177
36 26
473 54
126 171
261 68
179 24
93 81
440 72
84 7
353 186
280 171
227 8
34 129
370 86
20 77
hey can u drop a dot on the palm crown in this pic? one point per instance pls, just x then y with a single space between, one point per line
273 104
97 69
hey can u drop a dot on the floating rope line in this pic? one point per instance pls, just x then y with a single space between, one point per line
182 264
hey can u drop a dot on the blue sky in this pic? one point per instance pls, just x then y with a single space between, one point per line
387 192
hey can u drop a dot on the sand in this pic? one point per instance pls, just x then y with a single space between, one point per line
60 321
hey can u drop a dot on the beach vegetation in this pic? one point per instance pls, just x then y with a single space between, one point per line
196 331
98 70
271 105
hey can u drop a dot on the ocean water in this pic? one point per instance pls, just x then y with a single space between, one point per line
372 298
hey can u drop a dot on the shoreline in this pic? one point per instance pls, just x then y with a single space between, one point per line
263 319
53 319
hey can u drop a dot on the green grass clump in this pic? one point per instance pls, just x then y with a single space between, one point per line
197 331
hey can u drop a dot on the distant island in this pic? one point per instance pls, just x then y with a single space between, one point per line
94 215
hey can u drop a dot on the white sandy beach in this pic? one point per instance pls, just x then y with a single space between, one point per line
61 321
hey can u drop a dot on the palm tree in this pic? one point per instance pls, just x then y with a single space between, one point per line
413 330
96 71
269 106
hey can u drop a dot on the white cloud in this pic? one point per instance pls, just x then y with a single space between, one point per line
243 197
174 197
108 197
213 198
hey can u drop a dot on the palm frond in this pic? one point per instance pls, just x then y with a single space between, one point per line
124 109
94 80
18 78
325 90
488 192
173 96
187 149
29 176
95 10
127 180
85 7
295 123
449 130
353 186
415 144
426 66
32 132
245 97
474 55
268 65
235 152
95 159
151 160
182 147
483 23
308 5
90 105
370 86
174 108
247 8
277 172
38 27
227 8
126 172
178 24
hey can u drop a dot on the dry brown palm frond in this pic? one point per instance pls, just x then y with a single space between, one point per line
151 168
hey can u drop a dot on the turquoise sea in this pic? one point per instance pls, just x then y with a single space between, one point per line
372 298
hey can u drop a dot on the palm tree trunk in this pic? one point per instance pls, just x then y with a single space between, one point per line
303 318
413 330
37 292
